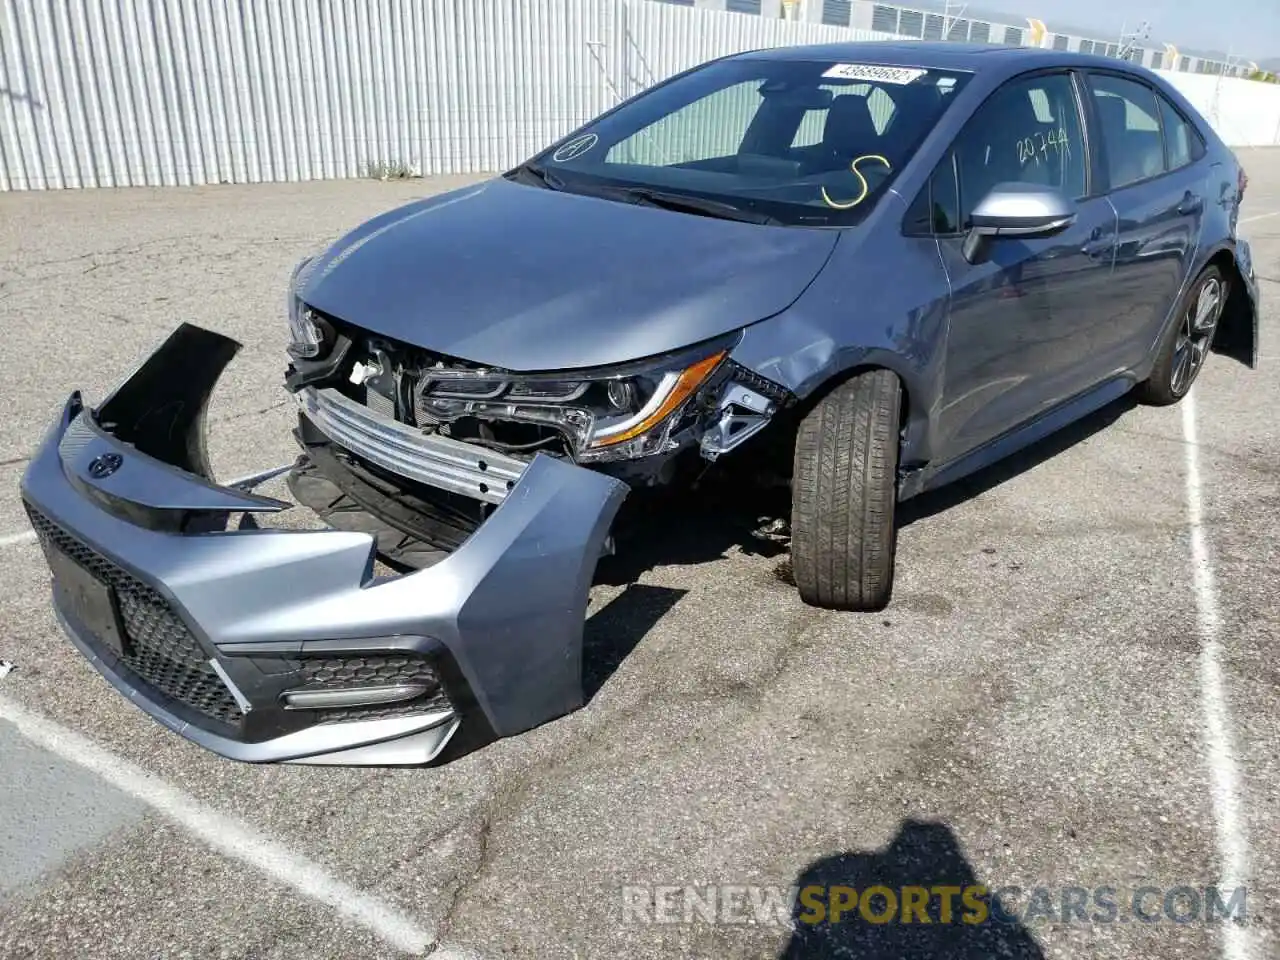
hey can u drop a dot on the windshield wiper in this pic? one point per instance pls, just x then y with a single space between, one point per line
537 176
699 205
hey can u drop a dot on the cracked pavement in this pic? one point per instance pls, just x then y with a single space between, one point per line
1026 712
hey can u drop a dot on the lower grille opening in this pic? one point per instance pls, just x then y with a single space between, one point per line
160 651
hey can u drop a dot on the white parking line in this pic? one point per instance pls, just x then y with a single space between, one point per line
14 539
1223 779
227 835
1261 216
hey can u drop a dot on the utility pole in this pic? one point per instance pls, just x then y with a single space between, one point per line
1129 41
1228 64
948 18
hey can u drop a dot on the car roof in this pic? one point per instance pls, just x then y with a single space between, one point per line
943 55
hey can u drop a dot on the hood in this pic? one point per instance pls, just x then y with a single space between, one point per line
525 278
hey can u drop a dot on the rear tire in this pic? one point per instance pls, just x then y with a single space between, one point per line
844 491
1186 344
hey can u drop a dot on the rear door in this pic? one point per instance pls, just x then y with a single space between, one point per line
1021 322
1150 158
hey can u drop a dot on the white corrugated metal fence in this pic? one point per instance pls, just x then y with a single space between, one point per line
167 92
128 92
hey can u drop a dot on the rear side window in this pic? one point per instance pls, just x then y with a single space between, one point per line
713 126
879 105
1130 122
1182 143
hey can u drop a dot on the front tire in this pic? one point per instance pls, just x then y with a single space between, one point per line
1186 345
844 491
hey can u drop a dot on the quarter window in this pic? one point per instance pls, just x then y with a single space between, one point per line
1181 141
1028 131
1128 116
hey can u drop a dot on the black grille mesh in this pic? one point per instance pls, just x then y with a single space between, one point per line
340 673
161 650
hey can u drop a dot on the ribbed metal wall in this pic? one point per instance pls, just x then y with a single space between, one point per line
128 92
170 92
661 39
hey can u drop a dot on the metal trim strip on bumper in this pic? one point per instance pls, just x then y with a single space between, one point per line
437 461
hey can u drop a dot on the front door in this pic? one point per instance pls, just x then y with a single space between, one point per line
1025 322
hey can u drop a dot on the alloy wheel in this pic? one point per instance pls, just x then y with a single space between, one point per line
1196 334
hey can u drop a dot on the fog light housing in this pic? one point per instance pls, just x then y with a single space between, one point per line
352 696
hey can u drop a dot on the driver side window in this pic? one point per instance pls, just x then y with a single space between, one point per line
1028 131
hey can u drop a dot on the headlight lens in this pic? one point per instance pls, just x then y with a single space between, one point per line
306 339
668 396
607 415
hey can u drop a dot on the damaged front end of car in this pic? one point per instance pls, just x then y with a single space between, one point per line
274 645
279 645
629 420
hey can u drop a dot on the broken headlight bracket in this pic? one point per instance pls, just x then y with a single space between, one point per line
747 403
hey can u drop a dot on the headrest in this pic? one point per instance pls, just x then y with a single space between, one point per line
849 130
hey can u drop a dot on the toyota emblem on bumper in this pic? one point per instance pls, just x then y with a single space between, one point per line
105 465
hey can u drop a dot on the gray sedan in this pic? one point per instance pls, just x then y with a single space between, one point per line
868 269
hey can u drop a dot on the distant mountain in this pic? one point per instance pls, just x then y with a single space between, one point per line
1271 63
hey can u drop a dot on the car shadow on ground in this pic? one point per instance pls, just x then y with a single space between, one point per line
613 631
727 511
922 854
692 527
936 501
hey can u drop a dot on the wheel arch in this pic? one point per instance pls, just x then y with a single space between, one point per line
914 419
1237 334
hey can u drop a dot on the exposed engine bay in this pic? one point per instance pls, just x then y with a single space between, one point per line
632 421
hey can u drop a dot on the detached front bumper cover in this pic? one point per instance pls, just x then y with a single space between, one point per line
225 635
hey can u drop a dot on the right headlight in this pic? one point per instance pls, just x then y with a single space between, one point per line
610 414
306 336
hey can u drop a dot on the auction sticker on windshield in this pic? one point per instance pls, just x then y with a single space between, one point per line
874 72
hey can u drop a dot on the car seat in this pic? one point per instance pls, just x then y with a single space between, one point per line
849 132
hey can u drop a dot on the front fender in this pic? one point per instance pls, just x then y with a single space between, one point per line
806 358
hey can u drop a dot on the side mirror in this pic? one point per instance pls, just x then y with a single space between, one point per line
1024 210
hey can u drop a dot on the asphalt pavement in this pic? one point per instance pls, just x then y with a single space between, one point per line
1078 665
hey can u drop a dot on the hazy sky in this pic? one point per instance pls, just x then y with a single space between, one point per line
1250 28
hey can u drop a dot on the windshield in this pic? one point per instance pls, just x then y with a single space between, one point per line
798 142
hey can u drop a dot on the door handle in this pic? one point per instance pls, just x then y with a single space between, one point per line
1190 204
1097 245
